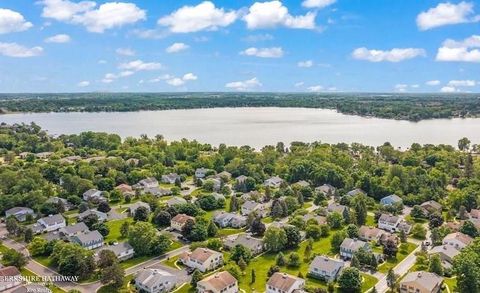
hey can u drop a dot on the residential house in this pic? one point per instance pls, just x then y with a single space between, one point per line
89 240
474 214
325 268
176 200
273 182
170 178
405 227
217 183
335 207
349 246
72 230
446 253
390 200
9 277
224 219
149 182
20 213
255 245
93 195
457 240
252 206
355 192
133 208
155 281
201 173
421 282
389 222
241 179
431 206
302 183
60 201
224 175
203 259
125 189
221 282
284 283
52 222
70 159
179 221
321 220
367 233
122 250
132 162
157 191
326 189
43 155
102 217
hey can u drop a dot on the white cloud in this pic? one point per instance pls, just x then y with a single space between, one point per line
274 52
177 47
305 64
60 38
462 83
125 52
139 65
258 38
394 55
126 73
204 16
432 82
244 85
445 14
190 76
299 84
467 50
273 14
83 83
160 78
176 81
12 21
107 16
19 51
448 89
317 3
315 88
401 87
415 86
102 61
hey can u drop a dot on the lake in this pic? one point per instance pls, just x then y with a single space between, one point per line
257 126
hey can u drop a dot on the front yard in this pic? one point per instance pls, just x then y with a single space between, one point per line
404 250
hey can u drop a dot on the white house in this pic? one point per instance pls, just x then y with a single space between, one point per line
250 206
389 222
221 282
284 283
203 259
349 246
150 182
224 219
179 221
273 182
390 200
20 213
155 281
325 268
201 173
93 194
122 250
52 222
89 240
457 240
170 178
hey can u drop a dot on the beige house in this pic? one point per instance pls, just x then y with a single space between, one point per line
421 282
457 240
284 283
222 282
203 259
179 221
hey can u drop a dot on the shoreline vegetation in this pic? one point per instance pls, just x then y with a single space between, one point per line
411 107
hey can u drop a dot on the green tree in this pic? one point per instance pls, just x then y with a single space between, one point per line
106 258
275 239
37 246
435 265
113 275
350 280
196 277
11 257
391 279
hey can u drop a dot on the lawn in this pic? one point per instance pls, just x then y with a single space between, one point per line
27 273
171 262
451 283
228 231
43 260
134 261
267 220
411 219
186 288
262 263
124 289
370 221
402 253
114 227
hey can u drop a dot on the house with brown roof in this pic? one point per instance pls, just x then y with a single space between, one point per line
9 277
421 282
179 221
285 283
367 233
457 240
255 245
430 207
203 259
221 282
389 222
125 189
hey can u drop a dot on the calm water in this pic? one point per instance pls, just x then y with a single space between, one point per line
257 126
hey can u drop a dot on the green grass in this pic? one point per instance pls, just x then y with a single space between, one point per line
3 248
262 263
228 231
368 282
126 287
171 262
43 260
134 261
27 273
186 288
451 283
411 219
402 253
267 220
370 221
114 227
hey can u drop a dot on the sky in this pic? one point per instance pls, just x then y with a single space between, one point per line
240 45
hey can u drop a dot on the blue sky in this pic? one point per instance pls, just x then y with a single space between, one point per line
293 46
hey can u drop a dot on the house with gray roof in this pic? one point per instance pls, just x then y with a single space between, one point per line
321 220
421 282
273 182
389 222
446 253
224 219
170 178
58 200
138 204
149 182
326 189
102 217
175 201
20 213
325 268
253 206
89 240
201 173
155 281
390 200
255 245
52 222
72 230
93 195
157 191
122 250
355 192
349 246
338 208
